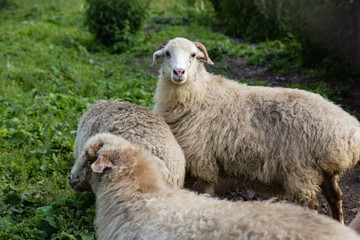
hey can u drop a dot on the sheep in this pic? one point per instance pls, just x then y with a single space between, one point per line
279 142
134 202
139 126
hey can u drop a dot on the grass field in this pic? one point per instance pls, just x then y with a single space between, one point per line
50 72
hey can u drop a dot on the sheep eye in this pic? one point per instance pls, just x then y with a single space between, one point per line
167 53
193 55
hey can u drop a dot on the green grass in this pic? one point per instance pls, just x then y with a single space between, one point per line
51 70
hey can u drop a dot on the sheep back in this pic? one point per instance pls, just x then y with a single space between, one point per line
133 202
138 125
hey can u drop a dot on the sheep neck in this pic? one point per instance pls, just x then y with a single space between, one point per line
139 180
111 204
170 97
114 200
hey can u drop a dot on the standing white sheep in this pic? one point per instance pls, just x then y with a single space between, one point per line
139 126
134 202
278 142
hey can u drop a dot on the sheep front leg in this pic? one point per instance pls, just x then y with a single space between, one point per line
302 190
200 186
332 193
307 199
209 188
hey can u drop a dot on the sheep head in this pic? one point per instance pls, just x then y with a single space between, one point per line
80 175
100 151
181 58
112 159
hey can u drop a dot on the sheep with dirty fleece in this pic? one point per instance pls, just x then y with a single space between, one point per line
139 126
278 142
134 202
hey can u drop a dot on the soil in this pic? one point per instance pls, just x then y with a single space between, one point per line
349 182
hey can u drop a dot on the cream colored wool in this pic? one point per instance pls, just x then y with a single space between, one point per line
278 142
134 202
139 126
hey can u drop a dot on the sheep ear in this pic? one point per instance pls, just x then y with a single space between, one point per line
101 164
157 55
159 52
204 56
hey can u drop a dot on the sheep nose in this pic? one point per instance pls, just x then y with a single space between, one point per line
179 72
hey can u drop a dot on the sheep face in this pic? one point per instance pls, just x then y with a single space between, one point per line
84 172
80 176
181 58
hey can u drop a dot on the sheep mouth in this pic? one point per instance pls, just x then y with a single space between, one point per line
80 185
178 81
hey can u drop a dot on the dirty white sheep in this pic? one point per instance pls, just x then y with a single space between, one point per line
139 126
278 142
134 202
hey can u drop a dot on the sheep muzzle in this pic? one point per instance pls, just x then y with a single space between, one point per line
80 183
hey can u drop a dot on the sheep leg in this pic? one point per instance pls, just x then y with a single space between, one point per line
308 199
331 191
302 191
314 204
209 188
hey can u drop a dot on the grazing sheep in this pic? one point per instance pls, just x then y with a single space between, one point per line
134 202
278 142
139 126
